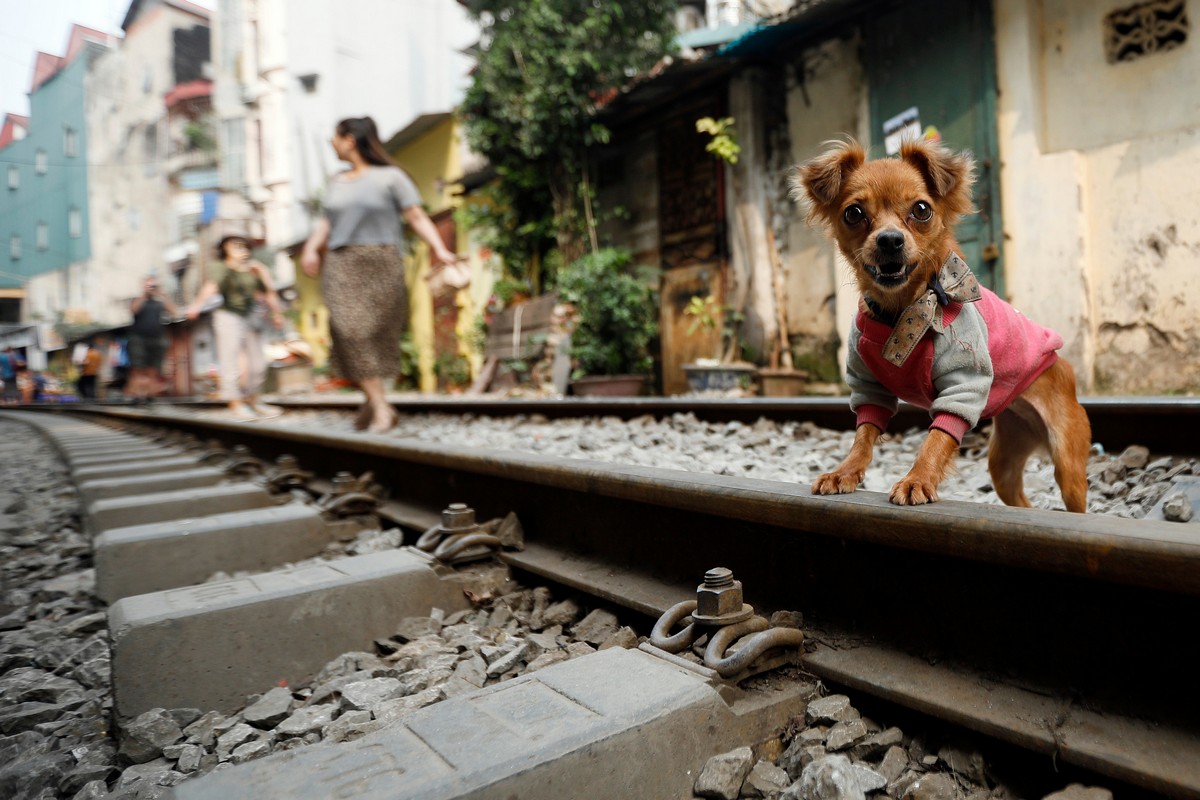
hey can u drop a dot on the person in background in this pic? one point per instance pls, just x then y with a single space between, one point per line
147 342
10 364
39 387
88 372
239 279
362 278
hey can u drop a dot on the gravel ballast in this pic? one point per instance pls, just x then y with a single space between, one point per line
1126 484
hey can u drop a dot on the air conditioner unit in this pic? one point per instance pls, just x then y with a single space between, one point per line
250 93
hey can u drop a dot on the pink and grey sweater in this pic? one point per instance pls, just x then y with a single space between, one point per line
987 354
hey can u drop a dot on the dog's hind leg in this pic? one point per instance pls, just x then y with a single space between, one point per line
1070 461
1065 427
1014 439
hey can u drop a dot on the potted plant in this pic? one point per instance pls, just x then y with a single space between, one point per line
616 320
724 371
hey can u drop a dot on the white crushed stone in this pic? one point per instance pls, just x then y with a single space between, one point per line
789 452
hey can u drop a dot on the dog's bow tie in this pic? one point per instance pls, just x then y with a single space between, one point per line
954 281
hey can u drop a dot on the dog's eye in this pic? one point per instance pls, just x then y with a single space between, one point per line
922 211
854 214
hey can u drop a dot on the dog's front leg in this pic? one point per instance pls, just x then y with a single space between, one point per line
935 460
849 474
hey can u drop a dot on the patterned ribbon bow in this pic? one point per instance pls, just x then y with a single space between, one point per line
954 281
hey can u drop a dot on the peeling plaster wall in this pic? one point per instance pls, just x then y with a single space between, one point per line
1101 234
746 194
825 100
1042 198
1146 235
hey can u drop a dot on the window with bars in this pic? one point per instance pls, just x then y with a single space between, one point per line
74 223
42 237
14 177
70 142
40 165
14 247
1155 26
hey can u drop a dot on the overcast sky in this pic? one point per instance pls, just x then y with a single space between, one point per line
27 26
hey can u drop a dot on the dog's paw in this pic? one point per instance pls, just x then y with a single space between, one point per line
837 483
914 492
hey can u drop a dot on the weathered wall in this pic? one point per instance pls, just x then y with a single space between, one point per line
1145 226
1101 235
748 192
628 180
824 100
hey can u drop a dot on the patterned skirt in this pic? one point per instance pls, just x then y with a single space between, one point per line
364 290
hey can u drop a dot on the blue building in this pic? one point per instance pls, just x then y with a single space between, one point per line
44 194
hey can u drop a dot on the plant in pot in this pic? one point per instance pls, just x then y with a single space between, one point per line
725 371
616 320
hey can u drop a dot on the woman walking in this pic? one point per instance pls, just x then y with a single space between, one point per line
362 278
239 280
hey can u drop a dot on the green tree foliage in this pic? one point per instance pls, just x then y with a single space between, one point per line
617 314
543 69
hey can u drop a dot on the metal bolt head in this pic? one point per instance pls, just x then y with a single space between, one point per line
720 595
458 517
286 461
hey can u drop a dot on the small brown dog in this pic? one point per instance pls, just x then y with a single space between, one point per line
928 333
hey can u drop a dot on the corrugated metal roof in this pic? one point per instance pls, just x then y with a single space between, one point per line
806 17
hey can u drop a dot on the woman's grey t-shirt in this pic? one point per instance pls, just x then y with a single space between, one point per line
366 210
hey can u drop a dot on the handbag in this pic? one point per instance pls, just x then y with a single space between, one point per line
451 277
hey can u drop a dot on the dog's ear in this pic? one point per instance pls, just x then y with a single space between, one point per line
948 175
820 182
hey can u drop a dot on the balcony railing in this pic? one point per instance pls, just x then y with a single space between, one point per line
191 159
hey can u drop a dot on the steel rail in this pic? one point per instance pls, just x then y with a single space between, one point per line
1042 608
1168 425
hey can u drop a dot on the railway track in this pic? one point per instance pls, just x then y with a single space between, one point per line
1065 635
1163 424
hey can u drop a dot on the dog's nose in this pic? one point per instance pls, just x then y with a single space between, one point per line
890 242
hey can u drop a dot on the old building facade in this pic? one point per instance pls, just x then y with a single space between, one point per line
1080 132
44 213
148 175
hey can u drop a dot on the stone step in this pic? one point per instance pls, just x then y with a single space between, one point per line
121 456
617 723
165 555
210 646
115 448
103 488
127 469
121 512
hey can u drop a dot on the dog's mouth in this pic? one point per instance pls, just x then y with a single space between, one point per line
890 273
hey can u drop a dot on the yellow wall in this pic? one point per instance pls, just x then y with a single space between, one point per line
313 323
431 159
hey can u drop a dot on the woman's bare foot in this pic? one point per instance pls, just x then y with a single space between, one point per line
383 420
364 417
241 411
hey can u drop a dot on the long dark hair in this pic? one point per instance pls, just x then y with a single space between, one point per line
366 140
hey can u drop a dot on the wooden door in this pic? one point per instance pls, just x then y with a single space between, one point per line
692 243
